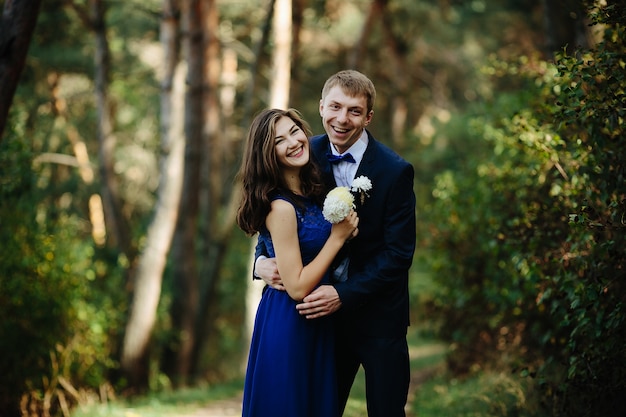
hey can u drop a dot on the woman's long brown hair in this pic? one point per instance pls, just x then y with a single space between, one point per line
261 174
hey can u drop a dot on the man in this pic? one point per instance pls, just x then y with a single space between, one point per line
371 306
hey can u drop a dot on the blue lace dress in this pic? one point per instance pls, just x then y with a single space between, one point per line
291 366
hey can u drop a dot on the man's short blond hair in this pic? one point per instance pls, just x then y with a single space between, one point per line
354 84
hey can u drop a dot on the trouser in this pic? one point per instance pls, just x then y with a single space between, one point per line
387 372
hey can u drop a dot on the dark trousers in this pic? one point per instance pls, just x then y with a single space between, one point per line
387 372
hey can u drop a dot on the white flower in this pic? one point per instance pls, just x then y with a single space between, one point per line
361 185
338 204
340 200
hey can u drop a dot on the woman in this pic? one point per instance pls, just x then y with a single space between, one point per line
291 368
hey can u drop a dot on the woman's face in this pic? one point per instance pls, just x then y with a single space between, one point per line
291 144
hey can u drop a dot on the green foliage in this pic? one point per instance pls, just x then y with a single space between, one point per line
588 298
60 315
485 395
529 242
34 289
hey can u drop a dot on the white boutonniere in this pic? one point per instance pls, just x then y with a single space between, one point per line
361 185
340 200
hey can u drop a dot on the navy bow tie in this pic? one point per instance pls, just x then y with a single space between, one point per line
335 159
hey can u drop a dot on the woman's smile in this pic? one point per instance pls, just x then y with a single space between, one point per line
296 153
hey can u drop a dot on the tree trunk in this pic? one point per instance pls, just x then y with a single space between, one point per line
358 52
19 18
251 93
214 160
94 19
281 63
152 261
399 78
298 21
566 26
184 250
115 220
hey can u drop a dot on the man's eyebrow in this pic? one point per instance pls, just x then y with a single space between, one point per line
358 106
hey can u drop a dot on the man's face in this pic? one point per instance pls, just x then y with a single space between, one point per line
344 117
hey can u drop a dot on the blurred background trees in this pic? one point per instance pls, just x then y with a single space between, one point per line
120 269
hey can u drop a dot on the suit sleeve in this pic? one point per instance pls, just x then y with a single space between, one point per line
259 250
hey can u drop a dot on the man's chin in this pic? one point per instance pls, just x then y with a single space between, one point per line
338 142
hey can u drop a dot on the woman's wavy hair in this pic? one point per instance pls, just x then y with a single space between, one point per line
261 175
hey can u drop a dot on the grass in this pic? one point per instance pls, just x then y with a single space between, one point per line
425 354
435 393
177 403
487 394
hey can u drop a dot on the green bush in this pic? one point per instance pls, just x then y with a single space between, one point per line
587 299
34 293
57 301
530 239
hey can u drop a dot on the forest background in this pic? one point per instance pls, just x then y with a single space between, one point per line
121 270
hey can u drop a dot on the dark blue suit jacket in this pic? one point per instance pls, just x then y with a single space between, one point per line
375 297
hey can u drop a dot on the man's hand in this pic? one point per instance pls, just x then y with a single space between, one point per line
267 270
323 301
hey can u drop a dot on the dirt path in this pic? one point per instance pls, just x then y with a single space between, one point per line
223 408
232 407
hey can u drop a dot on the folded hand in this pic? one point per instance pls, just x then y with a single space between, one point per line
323 301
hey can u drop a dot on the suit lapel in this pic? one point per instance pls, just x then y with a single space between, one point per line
369 158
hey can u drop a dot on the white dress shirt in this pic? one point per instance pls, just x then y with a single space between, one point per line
343 171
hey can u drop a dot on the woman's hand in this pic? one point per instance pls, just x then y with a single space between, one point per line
347 228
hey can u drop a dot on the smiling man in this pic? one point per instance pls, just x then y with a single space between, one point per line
345 113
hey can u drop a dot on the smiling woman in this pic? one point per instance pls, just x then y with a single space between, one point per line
281 201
